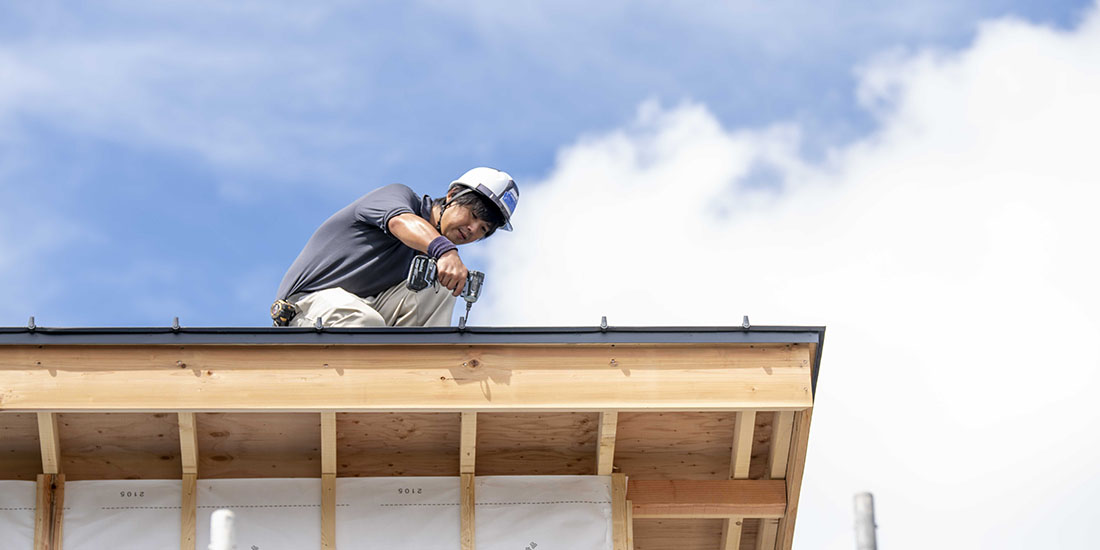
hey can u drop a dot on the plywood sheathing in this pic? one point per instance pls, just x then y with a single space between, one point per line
398 444
679 445
20 454
537 443
251 445
119 446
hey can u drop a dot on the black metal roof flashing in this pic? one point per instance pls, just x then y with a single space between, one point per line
177 335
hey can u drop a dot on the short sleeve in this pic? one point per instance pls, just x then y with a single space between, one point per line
380 206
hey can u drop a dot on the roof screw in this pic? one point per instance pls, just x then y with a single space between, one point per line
603 324
175 324
319 325
30 323
745 322
462 323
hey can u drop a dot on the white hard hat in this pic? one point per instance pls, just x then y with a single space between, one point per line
495 185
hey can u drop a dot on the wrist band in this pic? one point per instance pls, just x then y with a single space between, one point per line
440 246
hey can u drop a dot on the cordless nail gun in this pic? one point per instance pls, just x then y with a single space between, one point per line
423 273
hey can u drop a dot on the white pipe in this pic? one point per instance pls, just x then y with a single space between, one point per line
223 536
865 522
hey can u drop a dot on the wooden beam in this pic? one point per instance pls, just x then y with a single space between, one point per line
189 443
605 452
468 537
619 514
48 514
648 377
796 462
188 507
328 443
468 443
328 511
328 481
738 498
49 442
629 525
777 469
740 457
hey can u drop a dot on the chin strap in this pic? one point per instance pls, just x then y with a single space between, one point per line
443 208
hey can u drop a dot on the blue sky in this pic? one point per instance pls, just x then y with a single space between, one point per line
919 177
171 159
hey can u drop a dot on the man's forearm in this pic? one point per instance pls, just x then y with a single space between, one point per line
414 231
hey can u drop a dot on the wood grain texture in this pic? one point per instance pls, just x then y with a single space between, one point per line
405 378
397 444
796 462
120 446
677 534
468 535
773 465
328 511
740 458
676 445
605 453
467 446
708 499
51 445
629 525
619 513
189 443
188 503
248 445
328 443
536 443
48 515
20 452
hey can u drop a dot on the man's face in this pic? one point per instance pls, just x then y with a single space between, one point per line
461 226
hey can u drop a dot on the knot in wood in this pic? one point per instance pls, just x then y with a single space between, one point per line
472 363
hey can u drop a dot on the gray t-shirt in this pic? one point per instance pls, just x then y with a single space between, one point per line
354 250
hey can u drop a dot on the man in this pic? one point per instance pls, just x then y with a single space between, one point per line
352 271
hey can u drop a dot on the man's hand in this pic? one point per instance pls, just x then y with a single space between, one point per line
452 272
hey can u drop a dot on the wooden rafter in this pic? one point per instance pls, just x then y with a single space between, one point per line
740 457
49 442
777 469
738 498
48 516
189 460
328 481
467 536
409 378
605 450
619 515
796 462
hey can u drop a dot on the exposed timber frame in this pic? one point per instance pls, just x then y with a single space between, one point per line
612 402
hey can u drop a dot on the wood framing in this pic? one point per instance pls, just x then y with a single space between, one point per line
619 514
777 469
328 511
605 451
703 432
50 443
188 511
48 516
467 535
740 457
392 378
467 454
796 462
708 498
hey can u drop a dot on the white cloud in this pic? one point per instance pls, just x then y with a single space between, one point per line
951 253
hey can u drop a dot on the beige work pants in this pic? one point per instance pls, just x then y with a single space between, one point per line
396 307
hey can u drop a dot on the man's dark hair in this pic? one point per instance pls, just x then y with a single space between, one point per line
480 206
